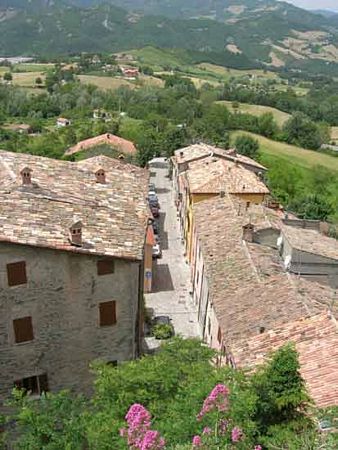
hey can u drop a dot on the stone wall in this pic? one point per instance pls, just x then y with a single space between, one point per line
62 296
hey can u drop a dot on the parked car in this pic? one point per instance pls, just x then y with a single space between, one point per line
157 252
162 327
156 227
154 203
155 211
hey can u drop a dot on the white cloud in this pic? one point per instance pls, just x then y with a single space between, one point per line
315 4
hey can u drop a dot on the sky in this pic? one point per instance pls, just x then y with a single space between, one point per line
315 4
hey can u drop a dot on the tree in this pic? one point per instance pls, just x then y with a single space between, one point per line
8 76
38 81
267 125
280 389
247 146
312 206
300 130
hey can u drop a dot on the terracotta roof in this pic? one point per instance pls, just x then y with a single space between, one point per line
114 214
120 144
311 241
316 340
213 175
199 151
249 288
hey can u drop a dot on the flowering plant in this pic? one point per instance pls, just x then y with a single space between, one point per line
139 435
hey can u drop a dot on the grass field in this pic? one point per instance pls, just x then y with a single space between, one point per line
226 73
300 156
26 79
257 110
105 82
115 83
27 67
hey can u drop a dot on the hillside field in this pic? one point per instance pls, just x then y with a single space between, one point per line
300 156
257 110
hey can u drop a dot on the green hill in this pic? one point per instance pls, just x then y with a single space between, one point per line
236 33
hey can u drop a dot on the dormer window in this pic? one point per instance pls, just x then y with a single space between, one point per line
75 234
100 176
26 176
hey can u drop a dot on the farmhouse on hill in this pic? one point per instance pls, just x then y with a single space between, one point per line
123 146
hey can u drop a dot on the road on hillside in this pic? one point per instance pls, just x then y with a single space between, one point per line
171 275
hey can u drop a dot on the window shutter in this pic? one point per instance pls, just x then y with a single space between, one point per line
107 313
219 335
105 266
23 329
16 273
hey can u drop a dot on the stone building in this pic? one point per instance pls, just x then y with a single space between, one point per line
250 304
72 250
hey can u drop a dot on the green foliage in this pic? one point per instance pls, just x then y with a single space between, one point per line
300 130
8 76
162 331
280 389
247 146
269 406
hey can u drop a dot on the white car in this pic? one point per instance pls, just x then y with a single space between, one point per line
157 252
152 194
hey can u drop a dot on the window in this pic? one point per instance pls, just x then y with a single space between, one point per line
107 313
209 326
105 266
16 273
23 329
219 335
35 385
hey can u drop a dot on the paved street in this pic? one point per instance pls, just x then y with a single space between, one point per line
171 282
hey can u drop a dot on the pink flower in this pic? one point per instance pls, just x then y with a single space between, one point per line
196 441
236 434
258 447
218 398
123 432
152 441
207 430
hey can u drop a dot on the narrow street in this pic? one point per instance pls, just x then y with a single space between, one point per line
171 279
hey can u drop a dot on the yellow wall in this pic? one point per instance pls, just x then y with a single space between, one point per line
253 198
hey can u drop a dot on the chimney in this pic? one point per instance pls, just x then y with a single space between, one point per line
248 232
75 234
100 176
26 176
222 194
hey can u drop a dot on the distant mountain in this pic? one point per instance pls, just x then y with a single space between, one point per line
325 12
238 33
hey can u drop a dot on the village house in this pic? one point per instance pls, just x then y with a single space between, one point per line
249 304
130 72
308 253
211 177
72 275
186 158
62 122
123 146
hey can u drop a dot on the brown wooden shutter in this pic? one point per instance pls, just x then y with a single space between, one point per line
16 273
105 266
219 335
23 329
107 313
